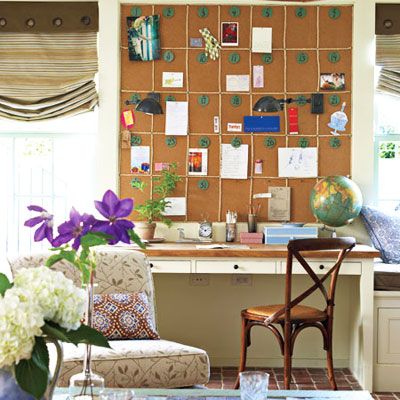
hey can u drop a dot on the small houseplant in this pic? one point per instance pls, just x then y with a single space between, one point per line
154 208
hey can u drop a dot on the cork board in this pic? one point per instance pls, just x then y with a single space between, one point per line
316 31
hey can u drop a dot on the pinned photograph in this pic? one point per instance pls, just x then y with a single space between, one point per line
144 38
230 34
333 81
198 161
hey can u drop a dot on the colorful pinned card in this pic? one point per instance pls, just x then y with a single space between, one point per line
140 159
127 119
261 124
172 79
198 161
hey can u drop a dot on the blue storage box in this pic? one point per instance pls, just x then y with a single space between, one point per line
282 235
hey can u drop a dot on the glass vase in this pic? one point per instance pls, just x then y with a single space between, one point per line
87 384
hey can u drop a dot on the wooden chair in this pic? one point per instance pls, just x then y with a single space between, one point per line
293 317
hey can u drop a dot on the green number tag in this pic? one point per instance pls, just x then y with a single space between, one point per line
135 98
202 12
267 12
203 184
334 57
269 142
234 11
203 100
300 12
301 100
202 58
303 142
236 142
170 141
334 13
168 12
136 11
168 56
134 182
236 101
170 98
234 58
267 58
302 58
136 140
204 142
335 142
334 99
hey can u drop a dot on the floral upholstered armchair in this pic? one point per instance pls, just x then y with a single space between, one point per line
129 363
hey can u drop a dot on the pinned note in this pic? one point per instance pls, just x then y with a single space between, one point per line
234 161
261 40
298 162
176 120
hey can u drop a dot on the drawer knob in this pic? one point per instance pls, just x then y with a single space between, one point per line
322 266
151 265
236 266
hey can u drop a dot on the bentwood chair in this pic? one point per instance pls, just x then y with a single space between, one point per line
293 317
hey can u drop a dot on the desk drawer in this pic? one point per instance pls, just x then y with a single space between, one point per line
170 267
321 267
235 267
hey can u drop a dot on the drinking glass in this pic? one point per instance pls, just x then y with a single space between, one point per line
254 385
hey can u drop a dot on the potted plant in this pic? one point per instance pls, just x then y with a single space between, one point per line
154 208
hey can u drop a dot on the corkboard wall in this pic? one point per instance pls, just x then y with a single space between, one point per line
317 34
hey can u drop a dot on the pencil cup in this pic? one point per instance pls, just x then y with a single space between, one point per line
230 232
252 223
254 385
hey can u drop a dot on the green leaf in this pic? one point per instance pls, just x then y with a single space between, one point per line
69 255
40 354
53 259
86 334
5 284
31 378
56 332
136 239
92 239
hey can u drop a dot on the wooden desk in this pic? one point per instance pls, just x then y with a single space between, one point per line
269 260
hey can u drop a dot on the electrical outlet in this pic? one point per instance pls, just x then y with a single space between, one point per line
242 280
199 279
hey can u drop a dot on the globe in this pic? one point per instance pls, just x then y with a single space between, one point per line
336 200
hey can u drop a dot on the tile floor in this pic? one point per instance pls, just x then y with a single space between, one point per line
302 379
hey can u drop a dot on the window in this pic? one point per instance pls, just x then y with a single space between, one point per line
45 163
387 151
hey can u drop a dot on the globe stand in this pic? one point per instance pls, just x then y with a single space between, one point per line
332 230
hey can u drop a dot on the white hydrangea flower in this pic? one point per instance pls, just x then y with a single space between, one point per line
60 300
20 321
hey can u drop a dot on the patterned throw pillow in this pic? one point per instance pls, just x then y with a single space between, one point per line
384 231
123 316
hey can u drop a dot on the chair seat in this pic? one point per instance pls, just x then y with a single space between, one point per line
297 313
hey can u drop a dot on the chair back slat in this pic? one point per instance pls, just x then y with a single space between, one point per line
296 248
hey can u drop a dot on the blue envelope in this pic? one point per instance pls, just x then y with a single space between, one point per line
261 124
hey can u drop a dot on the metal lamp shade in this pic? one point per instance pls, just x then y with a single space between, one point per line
268 104
149 106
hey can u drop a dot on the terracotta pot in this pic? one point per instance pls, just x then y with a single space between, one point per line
145 230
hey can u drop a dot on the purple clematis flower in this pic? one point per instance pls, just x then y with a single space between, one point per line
114 210
75 228
45 230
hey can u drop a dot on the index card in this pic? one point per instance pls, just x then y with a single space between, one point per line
176 120
298 162
261 40
237 83
279 203
234 161
177 206
172 79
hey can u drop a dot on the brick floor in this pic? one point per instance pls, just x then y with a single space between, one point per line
302 379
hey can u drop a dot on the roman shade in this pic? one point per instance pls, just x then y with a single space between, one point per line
387 29
388 57
48 61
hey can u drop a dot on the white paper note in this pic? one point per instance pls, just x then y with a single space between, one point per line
234 161
176 118
258 76
177 206
172 79
298 162
261 40
140 159
279 203
237 83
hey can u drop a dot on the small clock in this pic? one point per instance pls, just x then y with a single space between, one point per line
205 230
